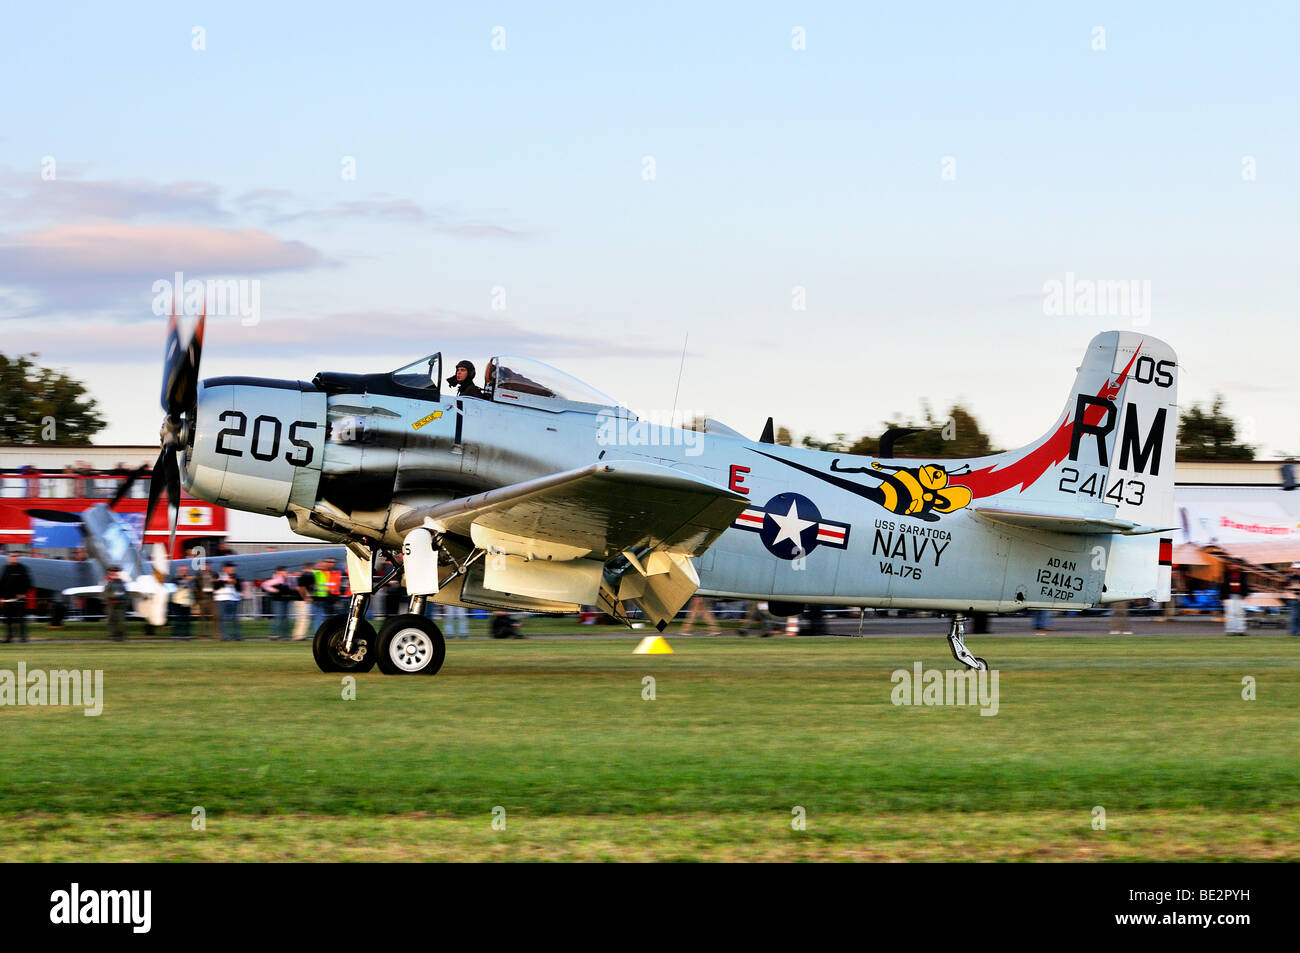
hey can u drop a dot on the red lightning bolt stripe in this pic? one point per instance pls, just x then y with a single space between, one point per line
1022 473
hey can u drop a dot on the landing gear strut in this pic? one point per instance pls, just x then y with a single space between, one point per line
957 642
347 642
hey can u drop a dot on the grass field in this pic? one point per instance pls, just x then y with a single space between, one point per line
740 734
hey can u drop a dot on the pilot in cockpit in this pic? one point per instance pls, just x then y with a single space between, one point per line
462 382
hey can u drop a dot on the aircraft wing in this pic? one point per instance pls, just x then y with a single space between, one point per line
60 574
257 565
604 510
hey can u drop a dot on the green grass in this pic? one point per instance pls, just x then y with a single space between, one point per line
261 628
741 731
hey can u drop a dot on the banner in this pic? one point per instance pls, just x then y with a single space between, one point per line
47 534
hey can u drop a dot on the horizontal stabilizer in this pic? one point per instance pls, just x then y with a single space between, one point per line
84 591
1067 522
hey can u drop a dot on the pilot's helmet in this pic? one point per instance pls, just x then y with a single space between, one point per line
469 367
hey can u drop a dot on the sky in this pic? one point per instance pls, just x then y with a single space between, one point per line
840 212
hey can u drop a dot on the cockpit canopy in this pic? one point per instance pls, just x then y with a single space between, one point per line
521 380
426 373
508 379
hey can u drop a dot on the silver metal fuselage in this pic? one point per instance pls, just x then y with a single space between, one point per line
347 464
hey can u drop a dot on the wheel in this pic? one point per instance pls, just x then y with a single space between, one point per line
410 645
325 646
982 664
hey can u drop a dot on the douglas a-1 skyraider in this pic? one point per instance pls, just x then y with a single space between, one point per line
545 495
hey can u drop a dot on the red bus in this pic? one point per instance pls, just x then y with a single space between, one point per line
57 479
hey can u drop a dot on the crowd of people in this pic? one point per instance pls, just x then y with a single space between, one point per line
211 603
214 602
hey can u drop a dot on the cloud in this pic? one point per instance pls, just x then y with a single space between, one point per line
388 210
102 266
341 334
279 207
435 329
28 198
100 245
262 201
479 230
25 197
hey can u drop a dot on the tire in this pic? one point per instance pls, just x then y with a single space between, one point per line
410 645
324 646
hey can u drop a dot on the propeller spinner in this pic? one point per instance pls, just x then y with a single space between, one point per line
179 399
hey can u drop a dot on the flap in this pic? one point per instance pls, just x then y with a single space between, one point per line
599 510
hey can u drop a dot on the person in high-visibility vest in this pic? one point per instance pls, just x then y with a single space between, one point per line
320 594
335 580
333 586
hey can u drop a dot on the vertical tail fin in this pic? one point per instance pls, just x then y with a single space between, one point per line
1110 455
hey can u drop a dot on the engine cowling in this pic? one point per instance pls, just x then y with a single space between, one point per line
256 444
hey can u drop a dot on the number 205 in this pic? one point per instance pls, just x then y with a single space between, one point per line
264 443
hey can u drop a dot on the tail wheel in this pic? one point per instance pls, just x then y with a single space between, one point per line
327 647
410 645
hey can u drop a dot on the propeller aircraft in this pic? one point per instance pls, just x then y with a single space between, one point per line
539 493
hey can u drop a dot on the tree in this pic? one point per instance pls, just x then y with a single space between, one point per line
834 446
1210 435
957 436
41 405
783 437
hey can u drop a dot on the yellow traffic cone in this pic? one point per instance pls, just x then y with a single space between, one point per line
653 645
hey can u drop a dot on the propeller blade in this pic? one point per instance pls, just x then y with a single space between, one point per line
55 516
193 352
173 367
173 498
180 389
181 365
156 484
125 486
151 598
162 566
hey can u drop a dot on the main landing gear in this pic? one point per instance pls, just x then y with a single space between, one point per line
957 642
408 644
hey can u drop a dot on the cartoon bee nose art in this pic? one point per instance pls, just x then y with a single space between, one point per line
922 492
